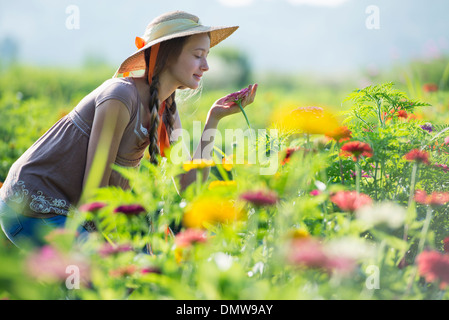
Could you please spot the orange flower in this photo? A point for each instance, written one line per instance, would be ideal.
(340, 134)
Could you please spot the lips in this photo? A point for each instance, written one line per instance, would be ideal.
(198, 77)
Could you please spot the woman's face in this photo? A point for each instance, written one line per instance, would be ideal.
(191, 64)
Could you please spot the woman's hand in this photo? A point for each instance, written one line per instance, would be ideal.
(225, 106)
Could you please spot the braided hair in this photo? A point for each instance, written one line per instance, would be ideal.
(168, 52)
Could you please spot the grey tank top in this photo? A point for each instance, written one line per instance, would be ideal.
(47, 179)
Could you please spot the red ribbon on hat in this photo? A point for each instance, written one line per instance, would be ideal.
(163, 140)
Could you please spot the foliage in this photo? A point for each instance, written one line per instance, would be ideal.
(300, 232)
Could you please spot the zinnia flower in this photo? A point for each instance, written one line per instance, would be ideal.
(357, 149)
(288, 154)
(260, 198)
(222, 184)
(418, 156)
(350, 200)
(190, 237)
(309, 120)
(430, 87)
(210, 210)
(50, 264)
(340, 134)
(427, 127)
(434, 199)
(310, 253)
(402, 114)
(108, 249)
(130, 209)
(237, 96)
(434, 267)
(92, 207)
(197, 164)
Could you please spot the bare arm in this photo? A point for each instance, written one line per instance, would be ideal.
(110, 120)
(219, 110)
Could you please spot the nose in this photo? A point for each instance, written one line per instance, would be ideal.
(204, 65)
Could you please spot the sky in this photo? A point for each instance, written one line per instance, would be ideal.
(278, 35)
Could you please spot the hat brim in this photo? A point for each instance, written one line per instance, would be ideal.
(136, 61)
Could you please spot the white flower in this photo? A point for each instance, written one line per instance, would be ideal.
(389, 213)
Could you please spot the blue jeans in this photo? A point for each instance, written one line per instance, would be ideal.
(26, 231)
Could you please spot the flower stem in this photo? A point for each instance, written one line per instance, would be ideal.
(357, 177)
(239, 103)
(425, 229)
(410, 199)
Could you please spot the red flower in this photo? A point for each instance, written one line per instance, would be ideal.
(189, 237)
(434, 199)
(288, 154)
(340, 134)
(434, 267)
(260, 198)
(402, 114)
(356, 149)
(418, 156)
(350, 200)
(130, 209)
(430, 87)
(446, 245)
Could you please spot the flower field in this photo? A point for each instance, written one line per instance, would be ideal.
(347, 199)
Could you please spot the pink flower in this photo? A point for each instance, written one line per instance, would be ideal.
(310, 253)
(260, 198)
(92, 207)
(50, 264)
(418, 156)
(108, 249)
(150, 269)
(315, 192)
(434, 199)
(190, 237)
(446, 140)
(237, 96)
(130, 209)
(434, 267)
(350, 200)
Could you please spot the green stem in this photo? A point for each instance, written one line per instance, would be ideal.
(425, 229)
(239, 103)
(412, 193)
(358, 175)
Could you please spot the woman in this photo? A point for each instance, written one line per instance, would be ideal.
(113, 125)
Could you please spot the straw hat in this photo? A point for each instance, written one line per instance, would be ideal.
(169, 26)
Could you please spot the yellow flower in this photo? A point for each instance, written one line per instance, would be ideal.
(219, 183)
(211, 210)
(311, 120)
(298, 234)
(197, 164)
(227, 164)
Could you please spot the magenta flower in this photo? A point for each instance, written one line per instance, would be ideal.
(434, 199)
(237, 96)
(260, 198)
(130, 209)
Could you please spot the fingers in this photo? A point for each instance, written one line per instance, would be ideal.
(250, 98)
